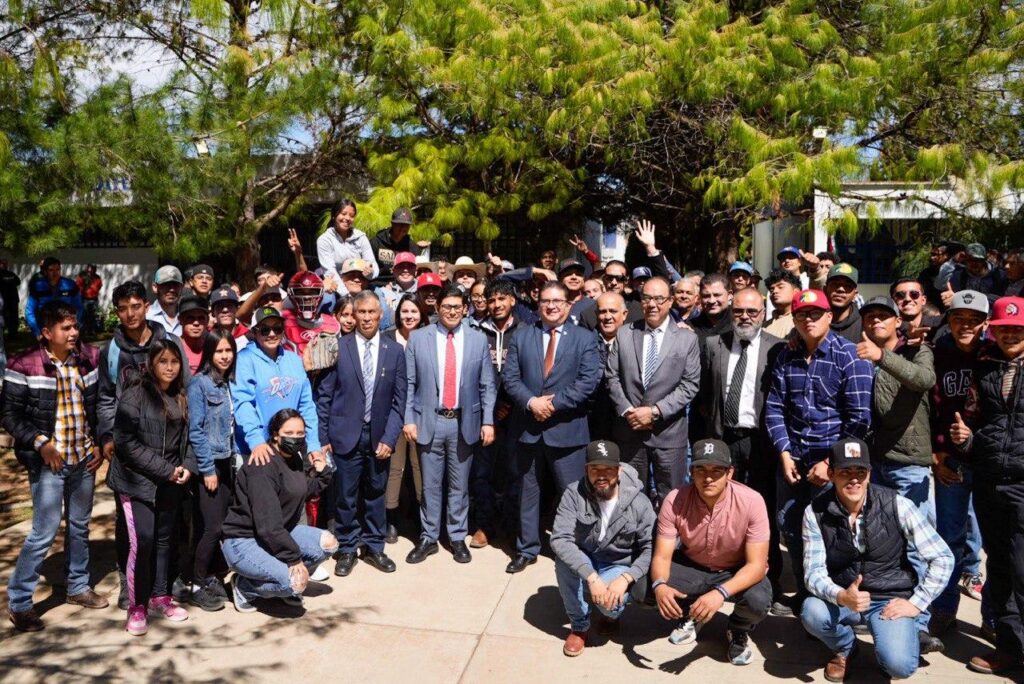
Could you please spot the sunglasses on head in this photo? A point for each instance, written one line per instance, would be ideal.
(268, 329)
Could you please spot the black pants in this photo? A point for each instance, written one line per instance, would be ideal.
(755, 467)
(147, 532)
(1000, 511)
(693, 580)
(213, 508)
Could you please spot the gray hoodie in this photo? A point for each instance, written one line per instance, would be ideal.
(628, 539)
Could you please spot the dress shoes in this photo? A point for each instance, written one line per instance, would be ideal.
(89, 599)
(479, 540)
(460, 553)
(379, 560)
(346, 561)
(26, 620)
(519, 564)
(420, 552)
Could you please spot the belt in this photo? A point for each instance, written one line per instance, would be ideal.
(449, 413)
(740, 430)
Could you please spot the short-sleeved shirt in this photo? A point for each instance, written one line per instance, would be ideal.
(715, 539)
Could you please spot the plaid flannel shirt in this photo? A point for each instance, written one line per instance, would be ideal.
(71, 434)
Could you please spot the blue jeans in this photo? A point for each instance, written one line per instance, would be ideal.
(896, 642)
(955, 522)
(571, 586)
(67, 493)
(791, 500)
(261, 574)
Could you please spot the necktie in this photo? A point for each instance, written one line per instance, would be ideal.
(549, 355)
(651, 358)
(732, 400)
(368, 373)
(448, 393)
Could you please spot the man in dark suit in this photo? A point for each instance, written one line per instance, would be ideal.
(652, 376)
(551, 371)
(736, 373)
(611, 315)
(361, 406)
(449, 409)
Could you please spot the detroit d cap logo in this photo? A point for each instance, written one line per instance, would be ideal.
(709, 449)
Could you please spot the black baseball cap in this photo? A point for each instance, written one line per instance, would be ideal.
(200, 268)
(849, 453)
(601, 452)
(711, 452)
(570, 265)
(192, 303)
(402, 215)
(265, 312)
(224, 293)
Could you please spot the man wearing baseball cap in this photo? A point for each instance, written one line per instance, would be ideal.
(164, 310)
(860, 541)
(403, 272)
(387, 244)
(224, 311)
(200, 281)
(428, 287)
(976, 273)
(740, 275)
(601, 538)
(841, 289)
(712, 547)
(820, 393)
(991, 432)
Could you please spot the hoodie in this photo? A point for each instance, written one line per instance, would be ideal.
(849, 328)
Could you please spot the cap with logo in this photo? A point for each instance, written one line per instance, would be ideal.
(976, 250)
(1008, 311)
(224, 293)
(843, 270)
(428, 280)
(200, 269)
(405, 258)
(354, 266)
(880, 302)
(568, 265)
(742, 266)
(601, 452)
(402, 215)
(849, 453)
(788, 251)
(167, 274)
(972, 300)
(265, 312)
(713, 452)
(810, 299)
(641, 272)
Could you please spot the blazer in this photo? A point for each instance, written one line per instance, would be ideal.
(478, 389)
(573, 378)
(715, 371)
(674, 384)
(341, 397)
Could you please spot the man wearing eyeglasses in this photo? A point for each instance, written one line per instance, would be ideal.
(908, 293)
(653, 373)
(615, 278)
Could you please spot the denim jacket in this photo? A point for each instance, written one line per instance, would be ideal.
(211, 420)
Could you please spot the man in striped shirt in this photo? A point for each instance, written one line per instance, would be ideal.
(820, 392)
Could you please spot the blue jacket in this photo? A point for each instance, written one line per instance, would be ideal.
(262, 387)
(574, 377)
(40, 292)
(341, 397)
(211, 421)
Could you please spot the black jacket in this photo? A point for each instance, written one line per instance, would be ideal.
(997, 445)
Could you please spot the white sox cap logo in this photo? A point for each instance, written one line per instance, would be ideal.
(602, 449)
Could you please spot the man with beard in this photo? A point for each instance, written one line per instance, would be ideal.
(841, 289)
(611, 315)
(715, 300)
(601, 539)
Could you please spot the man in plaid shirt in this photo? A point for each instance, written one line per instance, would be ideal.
(820, 392)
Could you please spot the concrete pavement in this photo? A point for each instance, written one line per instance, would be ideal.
(434, 622)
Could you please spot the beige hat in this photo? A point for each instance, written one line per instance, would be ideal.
(422, 264)
(465, 263)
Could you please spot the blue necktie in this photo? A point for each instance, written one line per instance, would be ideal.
(367, 381)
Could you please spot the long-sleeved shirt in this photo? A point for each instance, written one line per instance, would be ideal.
(332, 250)
(921, 538)
(812, 405)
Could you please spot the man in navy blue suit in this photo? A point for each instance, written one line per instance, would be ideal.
(449, 409)
(361, 403)
(552, 369)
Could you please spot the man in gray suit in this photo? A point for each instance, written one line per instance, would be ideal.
(449, 408)
(652, 375)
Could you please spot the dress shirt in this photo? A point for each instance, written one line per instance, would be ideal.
(659, 333)
(547, 336)
(747, 415)
(374, 343)
(441, 333)
(156, 313)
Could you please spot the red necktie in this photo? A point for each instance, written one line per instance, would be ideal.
(448, 393)
(549, 356)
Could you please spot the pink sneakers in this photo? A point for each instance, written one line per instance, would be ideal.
(136, 625)
(165, 607)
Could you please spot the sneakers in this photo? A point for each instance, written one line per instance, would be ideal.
(136, 624)
(685, 632)
(294, 601)
(182, 590)
(971, 585)
(242, 604)
(207, 595)
(165, 607)
(739, 651)
(320, 574)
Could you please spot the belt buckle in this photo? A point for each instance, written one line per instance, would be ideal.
(447, 413)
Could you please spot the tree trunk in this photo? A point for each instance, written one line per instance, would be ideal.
(248, 260)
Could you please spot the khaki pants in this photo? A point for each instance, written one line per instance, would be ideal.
(403, 452)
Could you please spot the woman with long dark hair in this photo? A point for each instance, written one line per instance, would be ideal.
(211, 432)
(342, 241)
(151, 466)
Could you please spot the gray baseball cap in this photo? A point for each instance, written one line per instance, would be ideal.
(972, 300)
(880, 303)
(167, 274)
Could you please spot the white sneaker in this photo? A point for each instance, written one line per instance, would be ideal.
(320, 574)
(685, 632)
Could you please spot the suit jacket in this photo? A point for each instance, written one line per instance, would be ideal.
(601, 409)
(341, 396)
(674, 384)
(573, 378)
(714, 374)
(478, 388)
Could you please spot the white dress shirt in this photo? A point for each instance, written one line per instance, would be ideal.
(747, 415)
(441, 334)
(659, 333)
(374, 344)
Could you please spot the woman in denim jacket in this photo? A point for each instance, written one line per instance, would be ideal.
(211, 431)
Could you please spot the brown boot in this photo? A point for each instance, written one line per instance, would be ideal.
(575, 643)
(994, 662)
(89, 599)
(26, 620)
(835, 670)
(479, 540)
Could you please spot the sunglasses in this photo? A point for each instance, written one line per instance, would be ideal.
(911, 294)
(266, 330)
(616, 278)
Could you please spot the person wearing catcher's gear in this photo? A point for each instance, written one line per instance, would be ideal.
(305, 322)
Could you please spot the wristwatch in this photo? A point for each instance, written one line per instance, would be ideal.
(657, 583)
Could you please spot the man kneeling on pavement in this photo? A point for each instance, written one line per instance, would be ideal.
(858, 544)
(721, 529)
(602, 538)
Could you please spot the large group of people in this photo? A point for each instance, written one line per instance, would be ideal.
(672, 429)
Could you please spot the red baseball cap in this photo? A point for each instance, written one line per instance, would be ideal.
(1008, 311)
(810, 299)
(428, 279)
(405, 258)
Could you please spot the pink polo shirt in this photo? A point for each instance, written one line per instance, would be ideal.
(715, 539)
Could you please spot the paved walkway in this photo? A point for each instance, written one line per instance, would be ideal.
(434, 622)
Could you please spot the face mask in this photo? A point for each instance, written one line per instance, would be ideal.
(293, 446)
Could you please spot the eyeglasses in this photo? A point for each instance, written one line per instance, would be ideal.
(267, 330)
(812, 315)
(616, 278)
(450, 308)
(552, 302)
(909, 294)
(749, 313)
(657, 299)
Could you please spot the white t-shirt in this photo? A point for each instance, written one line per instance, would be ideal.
(607, 508)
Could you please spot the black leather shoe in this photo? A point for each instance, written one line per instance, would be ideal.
(379, 560)
(519, 564)
(460, 552)
(929, 644)
(390, 534)
(346, 561)
(420, 552)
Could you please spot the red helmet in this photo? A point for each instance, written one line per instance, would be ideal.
(306, 290)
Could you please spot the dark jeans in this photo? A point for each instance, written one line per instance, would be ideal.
(490, 481)
(790, 504)
(213, 508)
(362, 475)
(147, 533)
(1000, 510)
(533, 463)
(693, 580)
